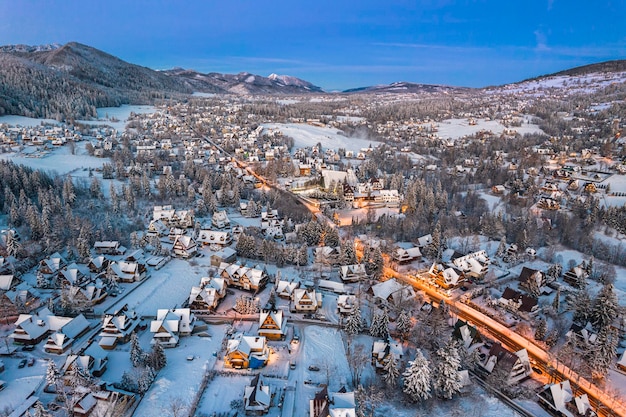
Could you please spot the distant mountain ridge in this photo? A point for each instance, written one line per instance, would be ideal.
(72, 80)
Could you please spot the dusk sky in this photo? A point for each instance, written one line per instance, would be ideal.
(335, 44)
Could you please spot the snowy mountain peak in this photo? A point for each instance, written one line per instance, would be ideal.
(29, 48)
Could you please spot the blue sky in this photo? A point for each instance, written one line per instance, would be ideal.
(333, 43)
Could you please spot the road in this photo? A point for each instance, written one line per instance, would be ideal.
(598, 397)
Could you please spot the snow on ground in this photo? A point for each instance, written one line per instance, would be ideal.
(305, 135)
(457, 128)
(166, 288)
(25, 121)
(59, 159)
(181, 379)
(220, 392)
(20, 383)
(494, 202)
(617, 184)
(120, 114)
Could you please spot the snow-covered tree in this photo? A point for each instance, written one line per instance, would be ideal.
(604, 309)
(136, 353)
(540, 332)
(446, 377)
(354, 323)
(556, 303)
(602, 355)
(145, 380)
(501, 247)
(52, 373)
(347, 255)
(403, 323)
(391, 371)
(157, 359)
(581, 304)
(417, 379)
(374, 262)
(380, 324)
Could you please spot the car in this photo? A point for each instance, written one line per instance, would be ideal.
(2, 384)
(28, 348)
(292, 365)
(537, 370)
(30, 361)
(464, 288)
(314, 368)
(22, 363)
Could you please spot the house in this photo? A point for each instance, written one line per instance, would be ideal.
(424, 241)
(93, 361)
(326, 255)
(272, 324)
(466, 333)
(576, 276)
(405, 255)
(173, 218)
(118, 327)
(219, 238)
(108, 247)
(50, 266)
(31, 329)
(246, 278)
(352, 273)
(445, 277)
(89, 295)
(346, 303)
(63, 338)
(284, 289)
(85, 405)
(7, 282)
(621, 363)
(586, 334)
(305, 300)
(208, 294)
(475, 264)
(220, 220)
(336, 404)
(98, 264)
(515, 365)
(71, 275)
(257, 397)
(531, 278)
(243, 352)
(185, 247)
(170, 325)
(559, 399)
(392, 291)
(123, 271)
(517, 302)
(383, 350)
(226, 255)
(21, 299)
(158, 228)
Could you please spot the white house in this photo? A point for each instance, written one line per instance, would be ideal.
(170, 325)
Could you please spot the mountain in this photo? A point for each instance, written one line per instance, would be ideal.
(244, 83)
(72, 80)
(600, 67)
(406, 87)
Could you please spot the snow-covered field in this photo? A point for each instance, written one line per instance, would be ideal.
(457, 128)
(119, 114)
(305, 135)
(20, 382)
(58, 160)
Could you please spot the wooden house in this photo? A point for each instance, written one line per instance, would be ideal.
(515, 365)
(257, 397)
(305, 300)
(246, 352)
(383, 350)
(118, 327)
(208, 294)
(185, 247)
(352, 273)
(170, 324)
(272, 324)
(243, 277)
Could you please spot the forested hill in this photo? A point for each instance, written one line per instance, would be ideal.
(74, 79)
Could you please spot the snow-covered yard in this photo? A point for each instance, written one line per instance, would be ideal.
(305, 135)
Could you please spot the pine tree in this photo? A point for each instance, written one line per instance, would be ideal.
(556, 304)
(52, 373)
(417, 378)
(501, 247)
(157, 359)
(604, 309)
(136, 353)
(540, 332)
(40, 411)
(380, 325)
(403, 323)
(446, 377)
(354, 322)
(348, 256)
(374, 263)
(582, 306)
(391, 371)
(602, 355)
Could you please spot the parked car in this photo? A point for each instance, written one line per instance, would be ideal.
(314, 368)
(22, 363)
(292, 365)
(28, 348)
(30, 361)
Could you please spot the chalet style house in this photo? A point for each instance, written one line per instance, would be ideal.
(336, 404)
(272, 324)
(515, 365)
(170, 325)
(257, 397)
(352, 273)
(118, 327)
(243, 277)
(383, 350)
(244, 352)
(305, 300)
(518, 302)
(208, 294)
(184, 246)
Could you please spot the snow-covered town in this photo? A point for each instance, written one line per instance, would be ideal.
(326, 256)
